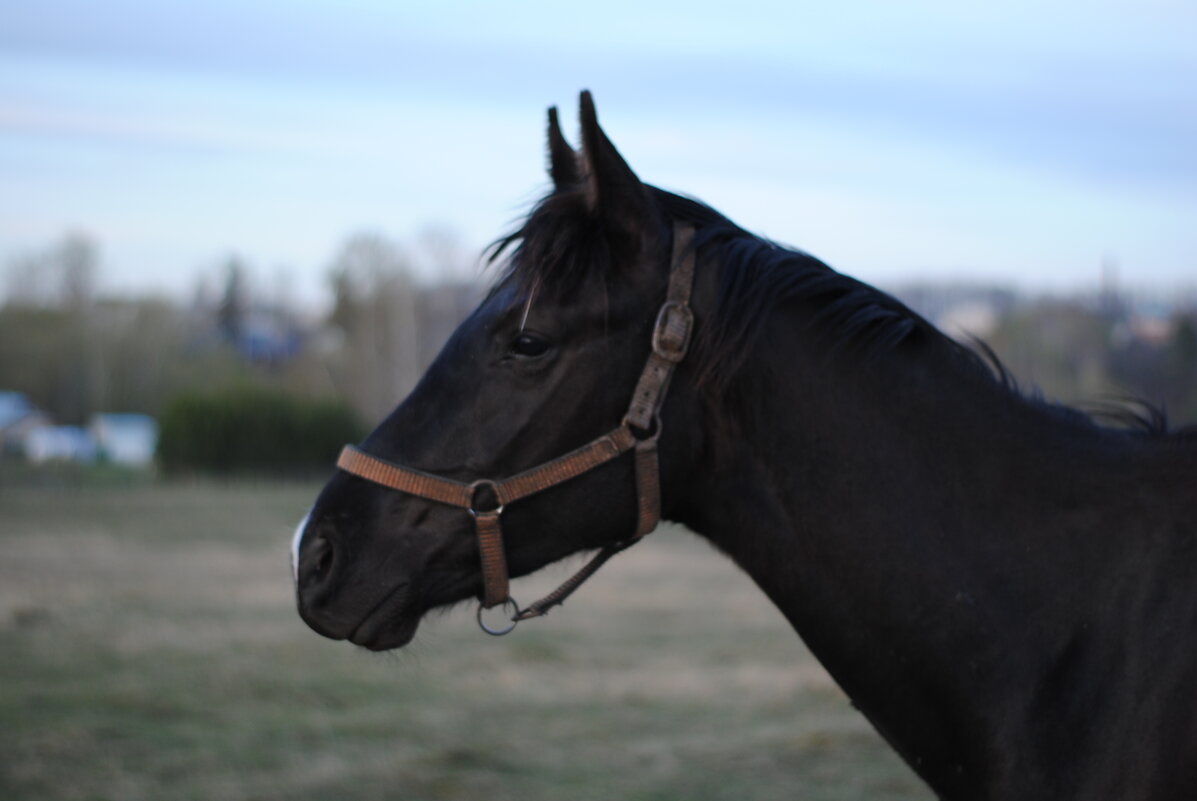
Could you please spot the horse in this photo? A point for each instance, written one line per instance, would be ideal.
(1005, 587)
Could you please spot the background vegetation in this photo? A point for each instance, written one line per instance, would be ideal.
(1089, 355)
(75, 353)
(239, 378)
(247, 428)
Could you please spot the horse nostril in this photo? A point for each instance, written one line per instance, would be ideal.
(324, 563)
(317, 561)
(317, 588)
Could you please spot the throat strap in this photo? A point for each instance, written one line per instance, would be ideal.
(639, 431)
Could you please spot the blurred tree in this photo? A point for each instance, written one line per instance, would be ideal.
(1060, 348)
(78, 259)
(75, 355)
(43, 353)
(375, 307)
(1078, 355)
(1181, 367)
(62, 275)
(230, 314)
(47, 343)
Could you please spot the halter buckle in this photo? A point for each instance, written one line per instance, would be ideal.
(671, 334)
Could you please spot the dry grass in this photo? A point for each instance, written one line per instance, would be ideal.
(149, 650)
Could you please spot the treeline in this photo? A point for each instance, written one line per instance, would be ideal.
(1106, 349)
(242, 381)
(1094, 355)
(236, 379)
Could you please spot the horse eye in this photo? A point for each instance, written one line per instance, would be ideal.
(529, 346)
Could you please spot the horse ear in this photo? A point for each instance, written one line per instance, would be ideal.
(563, 161)
(611, 186)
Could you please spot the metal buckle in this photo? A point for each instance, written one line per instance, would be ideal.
(671, 334)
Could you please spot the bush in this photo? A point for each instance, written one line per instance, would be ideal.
(247, 429)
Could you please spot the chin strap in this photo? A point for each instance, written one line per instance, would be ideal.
(638, 431)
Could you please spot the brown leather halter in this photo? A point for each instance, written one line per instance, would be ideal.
(638, 431)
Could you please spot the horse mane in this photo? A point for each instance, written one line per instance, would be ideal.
(758, 275)
(559, 244)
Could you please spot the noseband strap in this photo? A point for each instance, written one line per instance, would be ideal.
(486, 521)
(638, 431)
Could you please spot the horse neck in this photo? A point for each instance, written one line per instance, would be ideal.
(883, 505)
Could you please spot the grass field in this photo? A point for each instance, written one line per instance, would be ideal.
(149, 650)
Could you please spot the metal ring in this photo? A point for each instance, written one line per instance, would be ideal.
(477, 485)
(510, 602)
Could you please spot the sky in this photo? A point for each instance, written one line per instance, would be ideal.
(1022, 143)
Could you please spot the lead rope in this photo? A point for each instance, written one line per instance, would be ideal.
(639, 430)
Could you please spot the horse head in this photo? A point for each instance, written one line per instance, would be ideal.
(546, 366)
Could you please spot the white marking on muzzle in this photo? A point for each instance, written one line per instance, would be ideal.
(296, 539)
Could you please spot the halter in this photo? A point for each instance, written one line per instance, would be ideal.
(638, 431)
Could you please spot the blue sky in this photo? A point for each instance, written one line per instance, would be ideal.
(1019, 142)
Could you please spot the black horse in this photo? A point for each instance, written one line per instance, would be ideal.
(1004, 587)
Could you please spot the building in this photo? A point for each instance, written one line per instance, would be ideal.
(18, 417)
(50, 443)
(125, 439)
